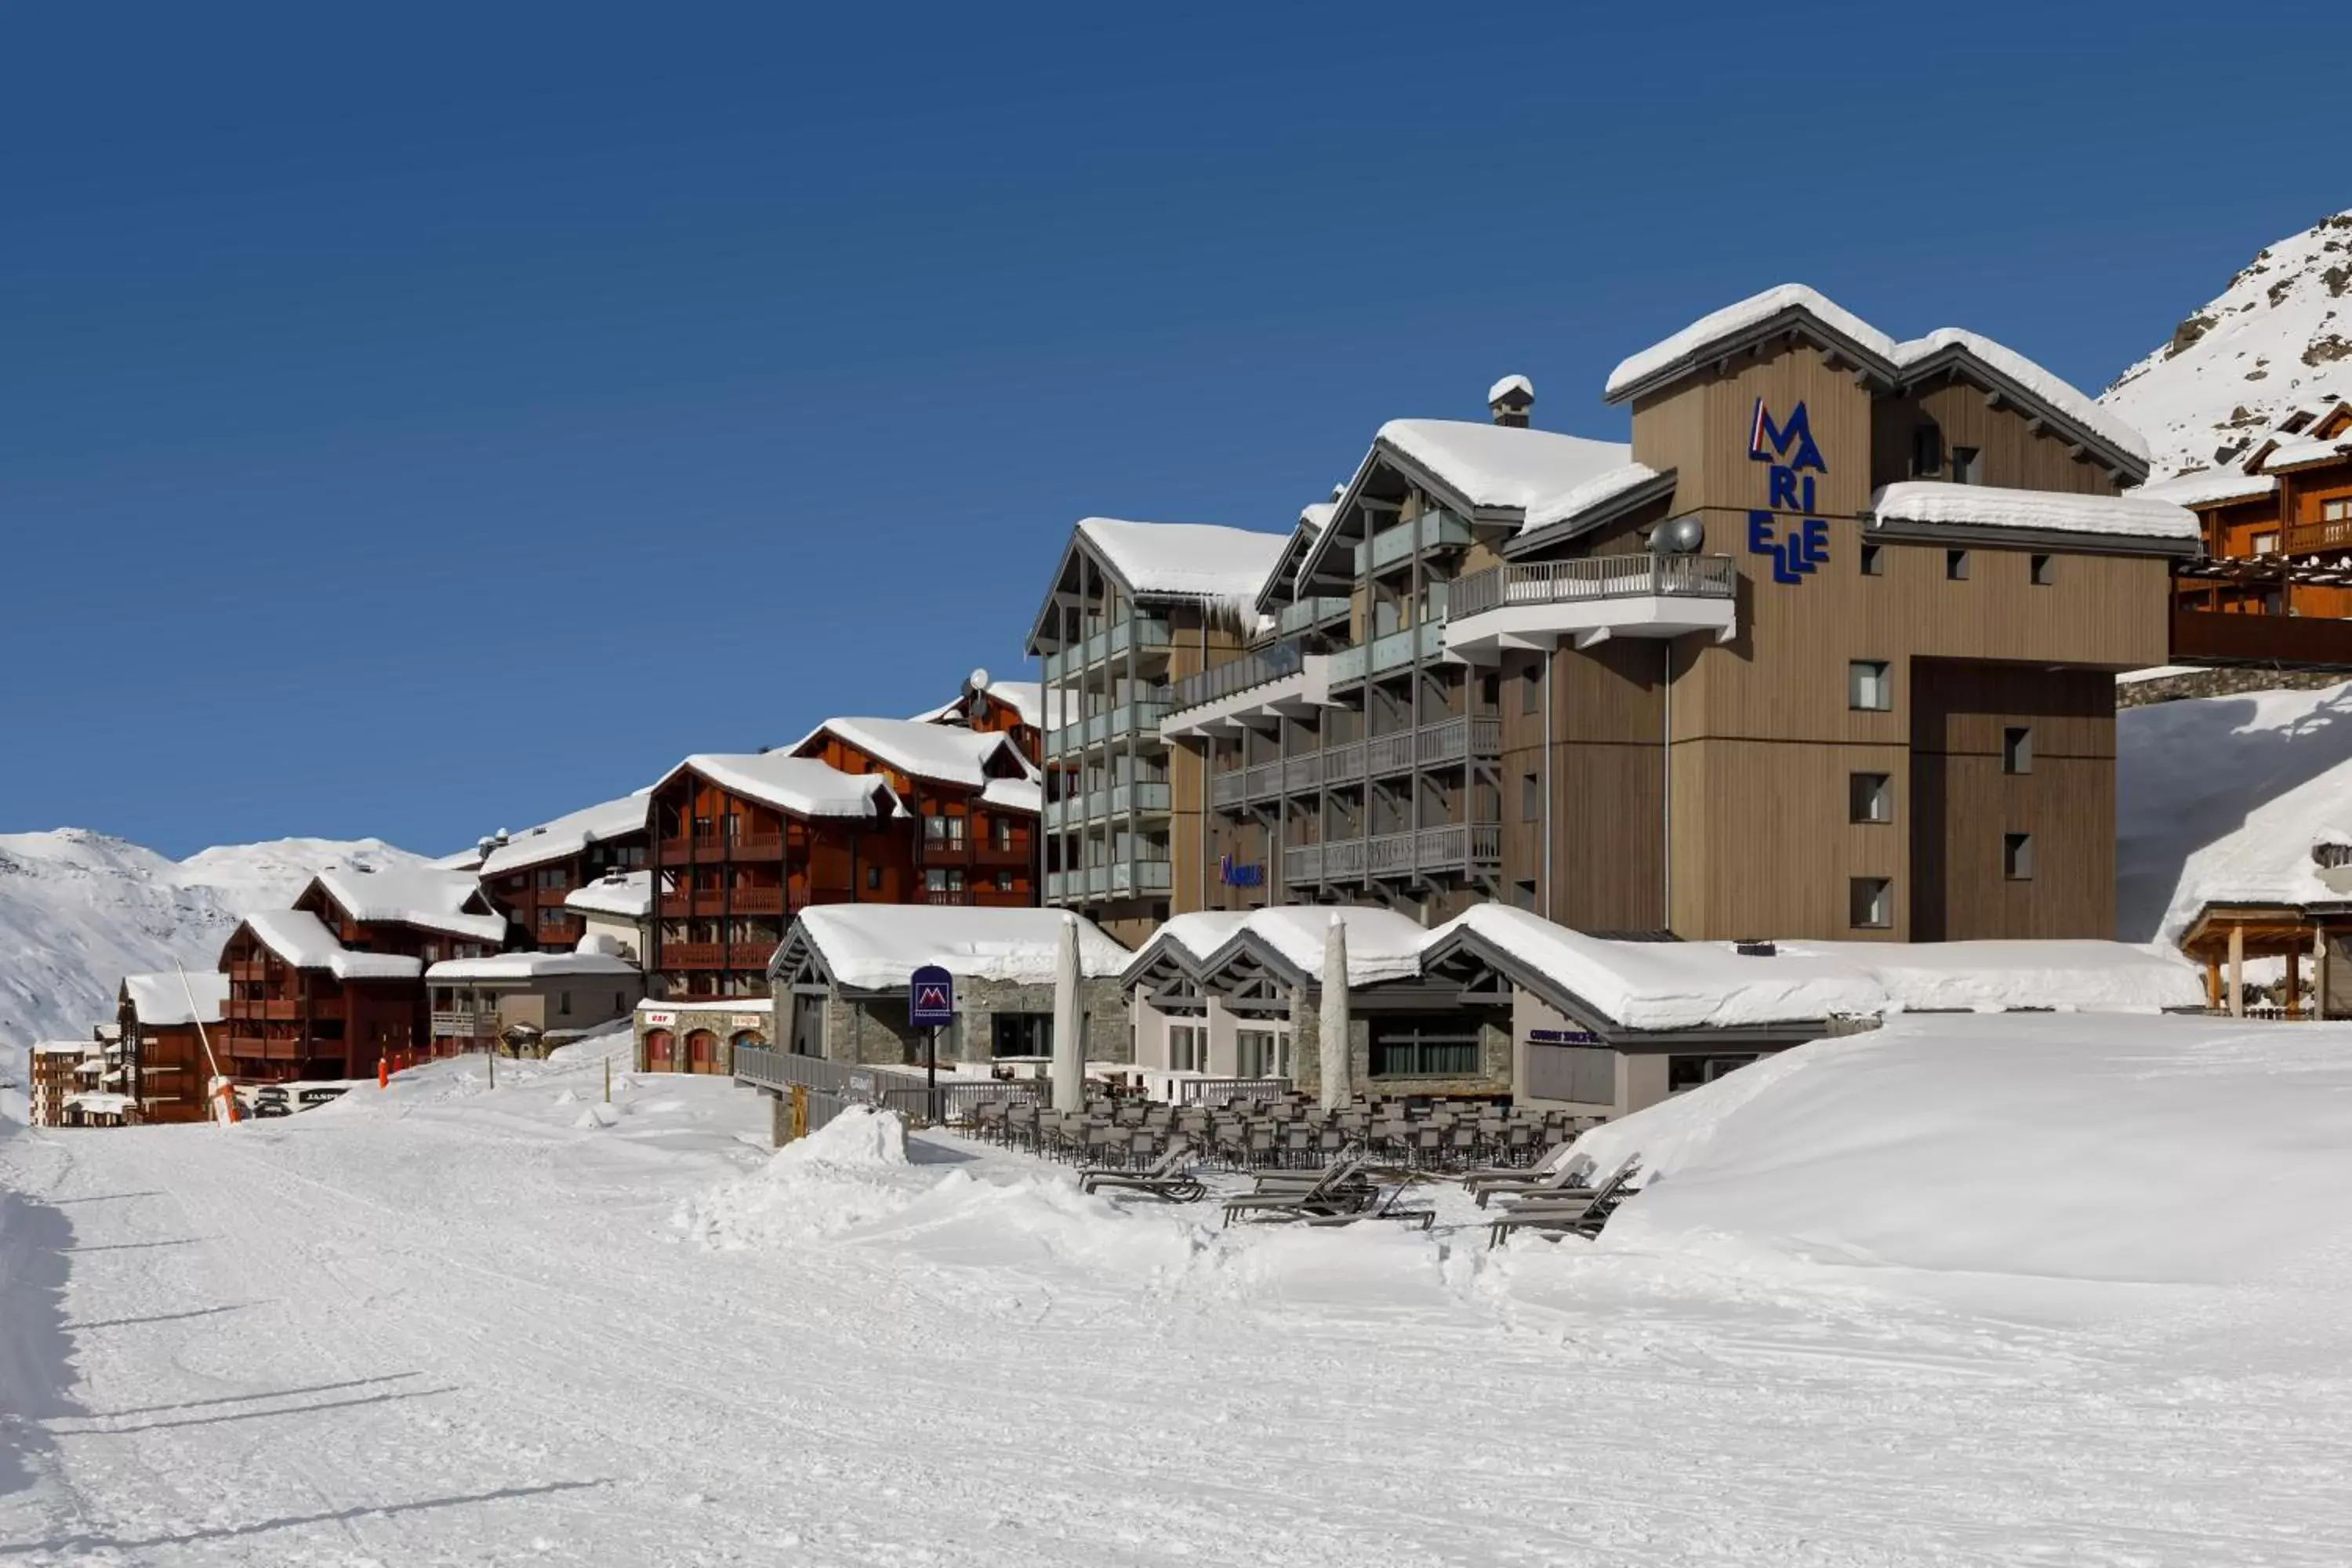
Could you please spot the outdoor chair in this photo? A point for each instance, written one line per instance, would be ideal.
(1387, 1208)
(1336, 1191)
(1169, 1178)
(1520, 1178)
(1562, 1216)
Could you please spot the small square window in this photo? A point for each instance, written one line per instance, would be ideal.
(2017, 856)
(2017, 749)
(1967, 465)
(2266, 544)
(1955, 565)
(1868, 687)
(1530, 798)
(1874, 561)
(1870, 797)
(2044, 570)
(1870, 903)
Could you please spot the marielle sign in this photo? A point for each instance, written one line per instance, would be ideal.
(1794, 460)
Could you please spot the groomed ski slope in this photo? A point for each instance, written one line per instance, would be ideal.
(1968, 1291)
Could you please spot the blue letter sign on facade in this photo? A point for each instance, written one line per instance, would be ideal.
(930, 998)
(1791, 451)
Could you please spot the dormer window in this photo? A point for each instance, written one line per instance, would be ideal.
(1927, 451)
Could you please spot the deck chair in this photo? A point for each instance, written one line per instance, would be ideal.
(1568, 1176)
(1387, 1208)
(1335, 1190)
(1580, 1216)
(1169, 1178)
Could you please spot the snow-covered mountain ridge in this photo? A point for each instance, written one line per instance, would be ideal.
(79, 910)
(2278, 337)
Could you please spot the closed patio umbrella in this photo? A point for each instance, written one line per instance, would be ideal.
(1069, 1037)
(1333, 1049)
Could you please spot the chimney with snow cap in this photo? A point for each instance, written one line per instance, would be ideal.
(1508, 400)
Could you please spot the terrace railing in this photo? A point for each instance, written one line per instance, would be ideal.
(1639, 575)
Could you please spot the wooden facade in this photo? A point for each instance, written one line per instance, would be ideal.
(1632, 777)
(529, 884)
(170, 1070)
(2280, 543)
(969, 844)
(734, 864)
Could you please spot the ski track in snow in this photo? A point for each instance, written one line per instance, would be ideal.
(444, 1326)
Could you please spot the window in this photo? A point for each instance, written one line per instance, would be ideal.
(1927, 451)
(943, 879)
(2337, 510)
(2266, 544)
(1188, 1048)
(547, 877)
(620, 1001)
(2017, 749)
(1955, 565)
(873, 878)
(1870, 903)
(999, 833)
(1531, 690)
(943, 831)
(2044, 570)
(1530, 798)
(1004, 881)
(1868, 687)
(563, 1003)
(1490, 692)
(1424, 1045)
(1870, 797)
(1689, 1072)
(2017, 856)
(1967, 465)
(1264, 1053)
(1873, 561)
(1021, 1035)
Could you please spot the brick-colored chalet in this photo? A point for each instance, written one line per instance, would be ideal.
(329, 987)
(1015, 709)
(972, 798)
(162, 1019)
(743, 841)
(530, 874)
(2277, 521)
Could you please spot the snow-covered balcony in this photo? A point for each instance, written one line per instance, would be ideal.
(1264, 683)
(1592, 600)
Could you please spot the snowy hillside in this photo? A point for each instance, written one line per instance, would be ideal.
(2222, 796)
(79, 910)
(2277, 338)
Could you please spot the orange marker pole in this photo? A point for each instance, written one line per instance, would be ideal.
(383, 1074)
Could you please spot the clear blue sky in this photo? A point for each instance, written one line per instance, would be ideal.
(428, 420)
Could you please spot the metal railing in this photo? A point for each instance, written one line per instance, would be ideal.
(1217, 1090)
(1402, 541)
(1306, 614)
(1454, 846)
(952, 1102)
(1261, 666)
(1112, 723)
(1137, 631)
(1431, 745)
(1639, 575)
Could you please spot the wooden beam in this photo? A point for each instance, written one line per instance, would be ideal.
(2237, 972)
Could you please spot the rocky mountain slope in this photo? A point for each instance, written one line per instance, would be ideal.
(2278, 337)
(79, 910)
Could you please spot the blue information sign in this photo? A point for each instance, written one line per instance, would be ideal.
(930, 998)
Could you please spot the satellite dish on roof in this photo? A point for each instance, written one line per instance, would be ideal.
(977, 680)
(1678, 536)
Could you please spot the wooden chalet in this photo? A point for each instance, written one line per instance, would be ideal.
(971, 801)
(162, 1019)
(741, 843)
(528, 875)
(331, 986)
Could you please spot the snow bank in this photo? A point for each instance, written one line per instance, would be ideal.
(1936, 504)
(869, 947)
(2079, 1149)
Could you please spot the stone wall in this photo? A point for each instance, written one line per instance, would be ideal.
(2219, 683)
(872, 1029)
(1494, 1051)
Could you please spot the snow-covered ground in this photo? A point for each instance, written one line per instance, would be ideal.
(1969, 1290)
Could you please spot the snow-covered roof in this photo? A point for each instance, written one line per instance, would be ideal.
(63, 1047)
(413, 895)
(941, 753)
(1668, 986)
(2052, 391)
(1937, 502)
(801, 785)
(710, 1005)
(1038, 709)
(1508, 384)
(2304, 454)
(626, 893)
(1760, 315)
(1598, 490)
(1503, 466)
(160, 1000)
(568, 834)
(874, 947)
(1315, 516)
(1721, 328)
(302, 939)
(1381, 943)
(2209, 489)
(1185, 560)
(100, 1102)
(520, 967)
(1014, 794)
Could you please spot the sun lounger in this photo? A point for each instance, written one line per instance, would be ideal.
(1168, 1178)
(1334, 1192)
(1583, 1216)
(1564, 1176)
(1388, 1208)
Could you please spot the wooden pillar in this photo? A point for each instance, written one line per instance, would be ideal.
(2294, 983)
(2319, 973)
(2213, 983)
(2237, 972)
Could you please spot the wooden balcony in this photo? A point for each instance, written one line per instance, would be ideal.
(750, 954)
(757, 901)
(693, 955)
(718, 849)
(256, 971)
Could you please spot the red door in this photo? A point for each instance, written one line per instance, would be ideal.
(702, 1051)
(661, 1051)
